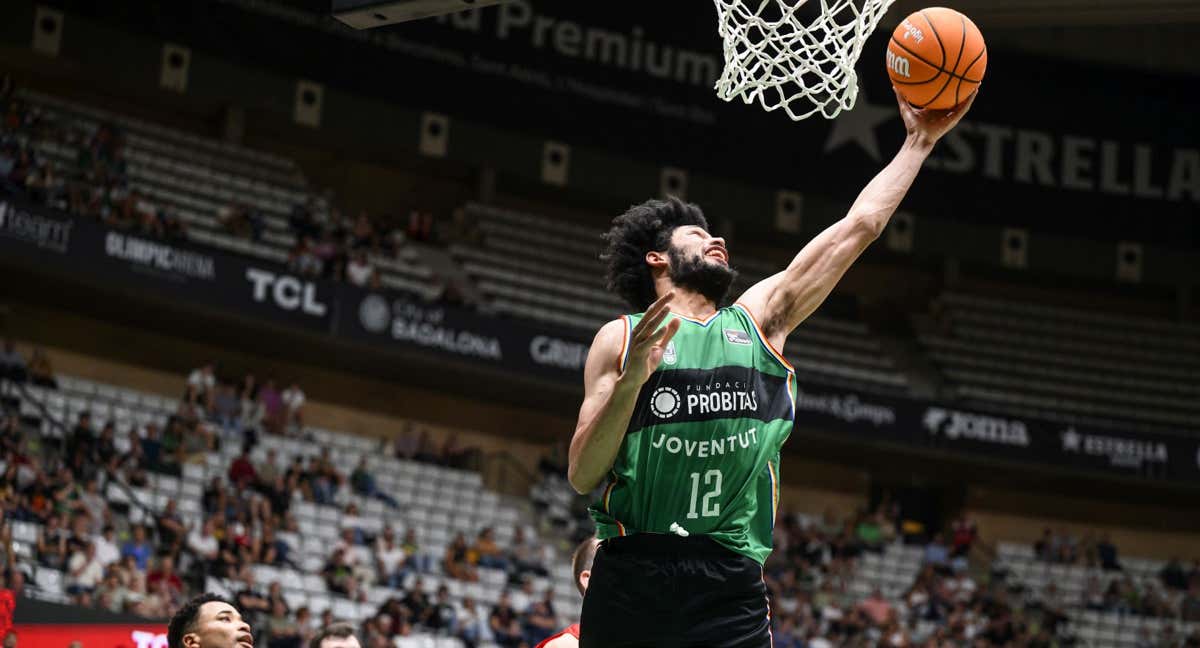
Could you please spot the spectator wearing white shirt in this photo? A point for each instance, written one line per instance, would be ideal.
(360, 271)
(202, 543)
(293, 401)
(107, 551)
(83, 574)
(201, 383)
(390, 558)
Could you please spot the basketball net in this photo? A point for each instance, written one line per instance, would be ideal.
(772, 57)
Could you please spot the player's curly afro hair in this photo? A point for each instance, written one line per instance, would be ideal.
(643, 228)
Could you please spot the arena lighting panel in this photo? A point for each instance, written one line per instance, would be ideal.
(365, 14)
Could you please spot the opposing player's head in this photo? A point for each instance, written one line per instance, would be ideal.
(581, 562)
(337, 635)
(664, 238)
(209, 621)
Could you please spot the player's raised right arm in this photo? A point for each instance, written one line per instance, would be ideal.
(610, 394)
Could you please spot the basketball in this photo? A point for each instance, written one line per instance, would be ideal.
(936, 58)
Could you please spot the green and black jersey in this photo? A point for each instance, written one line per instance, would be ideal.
(701, 454)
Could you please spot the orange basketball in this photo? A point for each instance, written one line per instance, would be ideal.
(936, 58)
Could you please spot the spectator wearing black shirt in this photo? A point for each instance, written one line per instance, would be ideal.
(12, 363)
(505, 623)
(171, 530)
(1107, 552)
(252, 601)
(440, 616)
(152, 447)
(1173, 576)
(417, 601)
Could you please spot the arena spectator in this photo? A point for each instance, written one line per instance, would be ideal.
(84, 573)
(456, 562)
(390, 559)
(1173, 576)
(405, 444)
(936, 552)
(505, 623)
(487, 552)
(1107, 553)
(360, 271)
(280, 629)
(165, 573)
(201, 383)
(305, 258)
(1189, 605)
(242, 474)
(363, 483)
(170, 527)
(339, 575)
(138, 547)
(876, 608)
(107, 551)
(440, 615)
(416, 558)
(226, 410)
(293, 402)
(12, 363)
(539, 620)
(41, 371)
(52, 544)
(523, 556)
(472, 623)
(203, 544)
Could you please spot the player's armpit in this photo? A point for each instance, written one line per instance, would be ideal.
(782, 301)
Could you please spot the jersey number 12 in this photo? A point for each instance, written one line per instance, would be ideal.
(708, 508)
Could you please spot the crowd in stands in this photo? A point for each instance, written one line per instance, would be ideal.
(94, 185)
(151, 566)
(329, 243)
(1175, 595)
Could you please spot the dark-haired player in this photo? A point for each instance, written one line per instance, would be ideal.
(686, 406)
(209, 621)
(581, 565)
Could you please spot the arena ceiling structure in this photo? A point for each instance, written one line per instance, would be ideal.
(1152, 35)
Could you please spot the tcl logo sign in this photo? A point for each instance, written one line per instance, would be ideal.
(286, 292)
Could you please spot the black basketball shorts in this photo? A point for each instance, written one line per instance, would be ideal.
(667, 591)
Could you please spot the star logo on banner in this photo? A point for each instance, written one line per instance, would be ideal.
(1071, 439)
(858, 126)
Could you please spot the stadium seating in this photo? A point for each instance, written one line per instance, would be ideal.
(197, 176)
(537, 268)
(435, 501)
(1069, 364)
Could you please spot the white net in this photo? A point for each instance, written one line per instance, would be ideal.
(798, 60)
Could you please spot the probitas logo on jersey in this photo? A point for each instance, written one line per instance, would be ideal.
(731, 392)
(721, 397)
(664, 402)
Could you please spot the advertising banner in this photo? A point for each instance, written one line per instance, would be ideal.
(167, 269)
(399, 321)
(988, 434)
(395, 321)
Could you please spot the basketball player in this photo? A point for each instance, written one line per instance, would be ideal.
(209, 621)
(686, 406)
(581, 564)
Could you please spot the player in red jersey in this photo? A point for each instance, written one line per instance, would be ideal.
(581, 564)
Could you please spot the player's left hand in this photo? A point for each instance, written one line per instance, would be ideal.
(931, 125)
